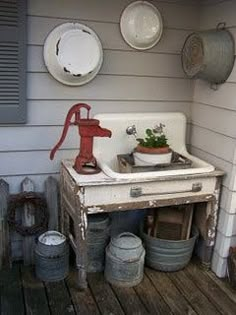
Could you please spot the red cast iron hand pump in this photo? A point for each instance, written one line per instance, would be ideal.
(88, 129)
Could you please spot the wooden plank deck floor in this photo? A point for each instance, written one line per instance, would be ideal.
(190, 291)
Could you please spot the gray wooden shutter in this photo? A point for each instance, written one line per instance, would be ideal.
(12, 61)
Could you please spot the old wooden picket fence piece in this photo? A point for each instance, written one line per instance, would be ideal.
(14, 246)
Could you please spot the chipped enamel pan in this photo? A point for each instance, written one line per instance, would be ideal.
(73, 54)
(141, 25)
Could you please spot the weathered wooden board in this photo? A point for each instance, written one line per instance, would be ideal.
(172, 295)
(223, 284)
(22, 247)
(104, 295)
(4, 230)
(51, 194)
(151, 298)
(83, 301)
(131, 305)
(12, 300)
(28, 219)
(35, 296)
(59, 299)
(195, 297)
(22, 293)
(211, 290)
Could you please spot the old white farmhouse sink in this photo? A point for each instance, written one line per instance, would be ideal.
(106, 149)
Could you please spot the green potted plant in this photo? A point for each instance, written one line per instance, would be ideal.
(153, 148)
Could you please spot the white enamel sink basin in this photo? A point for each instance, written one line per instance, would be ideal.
(106, 149)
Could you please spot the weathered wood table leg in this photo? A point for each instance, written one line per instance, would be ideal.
(207, 242)
(81, 244)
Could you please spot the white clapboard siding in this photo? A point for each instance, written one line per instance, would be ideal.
(171, 42)
(204, 94)
(129, 81)
(223, 122)
(43, 86)
(36, 138)
(122, 63)
(215, 143)
(231, 201)
(174, 15)
(214, 138)
(223, 243)
(222, 12)
(224, 165)
(32, 162)
(227, 223)
(211, 2)
(227, 200)
(53, 112)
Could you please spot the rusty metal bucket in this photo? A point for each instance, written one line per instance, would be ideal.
(209, 55)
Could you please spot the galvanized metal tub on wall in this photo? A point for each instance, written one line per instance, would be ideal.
(168, 255)
(209, 55)
(124, 260)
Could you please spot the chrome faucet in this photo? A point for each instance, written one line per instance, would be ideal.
(131, 130)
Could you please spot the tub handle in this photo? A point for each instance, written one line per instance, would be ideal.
(128, 234)
(221, 26)
(136, 192)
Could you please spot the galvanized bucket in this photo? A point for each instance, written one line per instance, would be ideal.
(124, 260)
(168, 255)
(51, 243)
(209, 55)
(98, 235)
(52, 268)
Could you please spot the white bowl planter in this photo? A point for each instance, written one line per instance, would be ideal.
(144, 159)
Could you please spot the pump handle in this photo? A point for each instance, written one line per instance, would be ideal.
(75, 109)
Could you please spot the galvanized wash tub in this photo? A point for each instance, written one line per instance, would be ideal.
(209, 55)
(168, 255)
(124, 260)
(98, 235)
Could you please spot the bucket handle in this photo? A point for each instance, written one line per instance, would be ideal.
(128, 234)
(221, 26)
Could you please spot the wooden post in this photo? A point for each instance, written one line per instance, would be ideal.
(51, 194)
(81, 244)
(4, 229)
(28, 219)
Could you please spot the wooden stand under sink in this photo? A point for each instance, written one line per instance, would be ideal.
(88, 194)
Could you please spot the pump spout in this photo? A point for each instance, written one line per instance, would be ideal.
(103, 132)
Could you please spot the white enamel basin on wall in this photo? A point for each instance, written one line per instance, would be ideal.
(106, 149)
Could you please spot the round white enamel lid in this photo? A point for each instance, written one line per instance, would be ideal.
(141, 25)
(73, 54)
